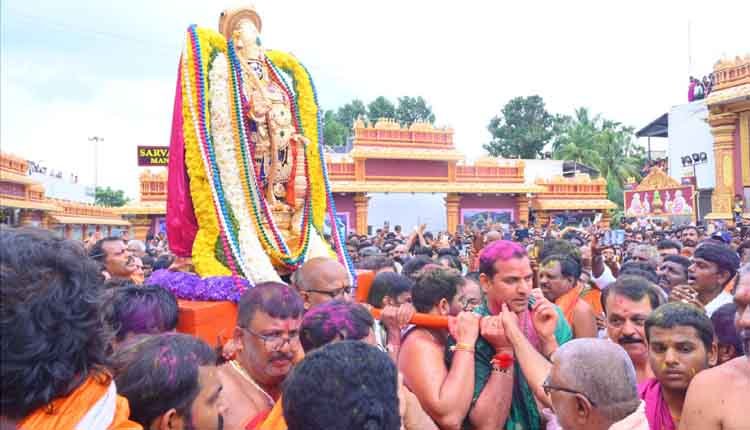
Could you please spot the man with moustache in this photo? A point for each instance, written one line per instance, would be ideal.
(627, 304)
(534, 327)
(558, 280)
(672, 272)
(690, 237)
(113, 256)
(680, 344)
(728, 382)
(267, 341)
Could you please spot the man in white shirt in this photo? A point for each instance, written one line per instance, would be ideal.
(714, 266)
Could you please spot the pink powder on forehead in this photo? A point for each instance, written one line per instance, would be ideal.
(502, 250)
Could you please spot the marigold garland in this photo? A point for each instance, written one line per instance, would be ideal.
(203, 256)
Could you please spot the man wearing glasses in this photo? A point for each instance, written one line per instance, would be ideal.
(321, 280)
(267, 340)
(592, 386)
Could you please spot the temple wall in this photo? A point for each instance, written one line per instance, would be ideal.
(406, 168)
(345, 204)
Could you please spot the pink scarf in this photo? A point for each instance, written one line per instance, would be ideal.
(657, 410)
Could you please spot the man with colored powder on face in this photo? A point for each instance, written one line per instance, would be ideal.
(558, 280)
(171, 382)
(627, 304)
(320, 280)
(267, 341)
(728, 382)
(680, 344)
(534, 328)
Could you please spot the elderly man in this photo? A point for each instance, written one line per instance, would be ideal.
(114, 257)
(727, 382)
(137, 248)
(267, 336)
(320, 280)
(627, 304)
(680, 344)
(534, 327)
(171, 382)
(558, 280)
(592, 386)
(645, 254)
(54, 346)
(713, 268)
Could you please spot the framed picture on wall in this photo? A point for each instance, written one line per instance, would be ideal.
(484, 218)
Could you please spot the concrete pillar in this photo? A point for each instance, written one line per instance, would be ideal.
(522, 203)
(361, 201)
(452, 209)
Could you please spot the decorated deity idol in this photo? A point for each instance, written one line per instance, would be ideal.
(247, 189)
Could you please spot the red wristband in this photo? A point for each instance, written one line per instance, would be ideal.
(503, 360)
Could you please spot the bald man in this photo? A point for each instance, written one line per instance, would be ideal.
(321, 280)
(592, 386)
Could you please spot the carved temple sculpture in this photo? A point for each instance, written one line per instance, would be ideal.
(729, 117)
(247, 191)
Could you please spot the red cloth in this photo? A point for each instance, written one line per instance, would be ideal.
(181, 223)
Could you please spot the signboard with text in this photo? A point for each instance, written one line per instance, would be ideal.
(149, 156)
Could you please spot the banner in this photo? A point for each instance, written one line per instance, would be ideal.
(153, 156)
(663, 202)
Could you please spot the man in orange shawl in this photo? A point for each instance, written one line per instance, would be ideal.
(559, 281)
(53, 342)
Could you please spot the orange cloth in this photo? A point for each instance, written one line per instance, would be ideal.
(66, 412)
(593, 296)
(275, 419)
(567, 303)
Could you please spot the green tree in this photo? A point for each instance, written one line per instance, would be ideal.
(381, 107)
(605, 145)
(413, 109)
(523, 129)
(349, 113)
(109, 197)
(334, 132)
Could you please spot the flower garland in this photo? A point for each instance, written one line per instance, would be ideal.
(308, 112)
(203, 256)
(222, 127)
(189, 286)
(252, 183)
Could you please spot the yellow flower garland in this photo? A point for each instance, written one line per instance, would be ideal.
(204, 258)
(308, 112)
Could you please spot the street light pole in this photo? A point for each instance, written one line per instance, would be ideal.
(95, 140)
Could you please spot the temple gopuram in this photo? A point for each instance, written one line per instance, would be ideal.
(389, 158)
(147, 215)
(23, 203)
(729, 117)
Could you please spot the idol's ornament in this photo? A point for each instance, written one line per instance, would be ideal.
(248, 191)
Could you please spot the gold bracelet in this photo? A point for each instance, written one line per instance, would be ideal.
(463, 347)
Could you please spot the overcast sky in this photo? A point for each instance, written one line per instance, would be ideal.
(74, 69)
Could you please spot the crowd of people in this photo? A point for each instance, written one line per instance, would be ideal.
(514, 327)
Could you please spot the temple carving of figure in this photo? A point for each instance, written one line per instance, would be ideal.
(247, 189)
